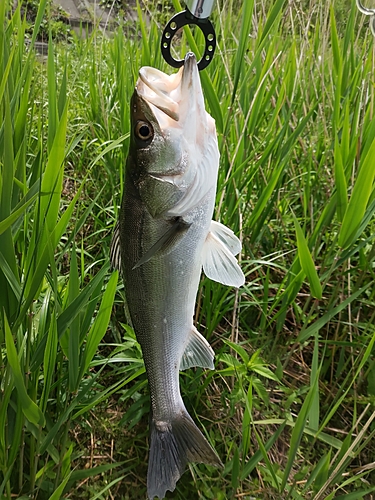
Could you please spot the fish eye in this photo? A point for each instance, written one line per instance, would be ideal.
(144, 131)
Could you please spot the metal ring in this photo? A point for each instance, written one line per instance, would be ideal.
(372, 24)
(178, 21)
(367, 12)
(364, 10)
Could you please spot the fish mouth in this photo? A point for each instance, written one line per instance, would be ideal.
(172, 97)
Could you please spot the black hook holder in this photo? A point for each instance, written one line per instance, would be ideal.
(178, 21)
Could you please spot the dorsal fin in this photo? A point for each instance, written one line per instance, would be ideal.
(115, 249)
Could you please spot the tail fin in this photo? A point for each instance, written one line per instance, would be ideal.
(173, 445)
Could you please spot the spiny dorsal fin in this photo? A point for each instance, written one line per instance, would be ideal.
(115, 250)
(218, 259)
(198, 352)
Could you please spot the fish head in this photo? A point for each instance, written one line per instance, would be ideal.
(173, 151)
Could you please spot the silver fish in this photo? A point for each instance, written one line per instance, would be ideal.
(162, 240)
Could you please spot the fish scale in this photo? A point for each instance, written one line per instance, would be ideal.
(165, 283)
(164, 237)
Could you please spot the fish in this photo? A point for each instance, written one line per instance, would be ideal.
(164, 237)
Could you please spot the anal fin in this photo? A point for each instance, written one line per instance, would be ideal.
(198, 352)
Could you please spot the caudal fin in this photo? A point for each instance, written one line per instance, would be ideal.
(173, 445)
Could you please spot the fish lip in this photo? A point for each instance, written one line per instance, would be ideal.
(165, 93)
(190, 62)
(145, 84)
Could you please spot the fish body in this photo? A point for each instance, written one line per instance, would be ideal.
(164, 236)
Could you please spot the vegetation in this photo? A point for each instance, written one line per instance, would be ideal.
(290, 406)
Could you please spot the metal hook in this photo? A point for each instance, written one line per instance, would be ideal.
(372, 24)
(178, 21)
(367, 12)
(364, 10)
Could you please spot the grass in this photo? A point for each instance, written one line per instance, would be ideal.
(290, 406)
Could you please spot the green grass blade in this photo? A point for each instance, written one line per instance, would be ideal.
(4, 79)
(275, 12)
(258, 455)
(31, 411)
(318, 324)
(307, 262)
(362, 191)
(337, 57)
(6, 223)
(49, 363)
(68, 315)
(297, 432)
(340, 181)
(38, 21)
(12, 280)
(107, 487)
(52, 95)
(53, 175)
(100, 325)
(213, 101)
(320, 473)
(74, 330)
(356, 495)
(38, 275)
(146, 55)
(314, 413)
(79, 475)
(56, 495)
(247, 13)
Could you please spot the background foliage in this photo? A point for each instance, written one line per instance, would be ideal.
(290, 406)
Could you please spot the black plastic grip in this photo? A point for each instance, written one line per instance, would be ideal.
(178, 21)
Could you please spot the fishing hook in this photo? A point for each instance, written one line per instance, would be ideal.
(196, 13)
(367, 12)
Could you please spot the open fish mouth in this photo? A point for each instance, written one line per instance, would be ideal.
(172, 97)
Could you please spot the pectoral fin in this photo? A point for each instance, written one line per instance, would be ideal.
(219, 263)
(115, 250)
(167, 242)
(198, 352)
(226, 236)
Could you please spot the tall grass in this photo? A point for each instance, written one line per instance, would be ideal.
(54, 313)
(290, 405)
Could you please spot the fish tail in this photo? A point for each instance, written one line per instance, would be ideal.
(173, 445)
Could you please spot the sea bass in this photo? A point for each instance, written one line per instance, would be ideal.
(162, 240)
